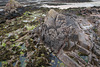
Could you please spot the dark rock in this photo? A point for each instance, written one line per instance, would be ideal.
(96, 50)
(14, 14)
(2, 17)
(2, 20)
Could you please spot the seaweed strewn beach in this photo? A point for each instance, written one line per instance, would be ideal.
(41, 33)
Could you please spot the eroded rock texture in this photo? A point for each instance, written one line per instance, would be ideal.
(12, 10)
(12, 5)
(71, 38)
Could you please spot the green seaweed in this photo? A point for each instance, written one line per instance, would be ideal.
(21, 53)
(15, 31)
(30, 27)
(3, 44)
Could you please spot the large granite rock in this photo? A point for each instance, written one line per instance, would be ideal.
(71, 38)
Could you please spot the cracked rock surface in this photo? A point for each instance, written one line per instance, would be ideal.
(71, 38)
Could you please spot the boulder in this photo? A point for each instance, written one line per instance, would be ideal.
(13, 9)
(11, 6)
(71, 39)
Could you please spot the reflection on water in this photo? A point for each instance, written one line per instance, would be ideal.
(0, 64)
(56, 62)
(22, 60)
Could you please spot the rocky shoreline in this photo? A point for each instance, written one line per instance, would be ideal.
(74, 37)
(31, 35)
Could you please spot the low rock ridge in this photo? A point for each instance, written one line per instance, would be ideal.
(52, 0)
(73, 0)
(71, 38)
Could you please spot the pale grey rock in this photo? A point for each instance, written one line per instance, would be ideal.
(70, 38)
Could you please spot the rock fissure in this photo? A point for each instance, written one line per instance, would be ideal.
(70, 39)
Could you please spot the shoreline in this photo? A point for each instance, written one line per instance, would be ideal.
(60, 5)
(73, 5)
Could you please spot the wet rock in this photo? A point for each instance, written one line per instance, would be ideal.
(96, 50)
(2, 17)
(18, 12)
(73, 35)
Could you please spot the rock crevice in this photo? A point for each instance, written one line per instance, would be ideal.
(71, 39)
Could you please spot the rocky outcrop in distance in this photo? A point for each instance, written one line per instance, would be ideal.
(71, 38)
(12, 9)
(11, 6)
(73, 0)
(51, 0)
